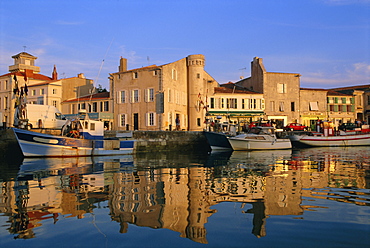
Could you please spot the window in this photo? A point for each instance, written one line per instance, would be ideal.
(54, 91)
(169, 95)
(232, 102)
(368, 100)
(314, 106)
(281, 106)
(292, 106)
(344, 100)
(106, 106)
(83, 106)
(6, 102)
(150, 95)
(331, 108)
(272, 106)
(135, 75)
(262, 103)
(198, 122)
(281, 88)
(135, 96)
(55, 103)
(95, 107)
(150, 119)
(33, 92)
(222, 103)
(92, 126)
(198, 75)
(174, 74)
(122, 98)
(122, 119)
(212, 103)
(42, 91)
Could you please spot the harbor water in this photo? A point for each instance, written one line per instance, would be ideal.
(316, 197)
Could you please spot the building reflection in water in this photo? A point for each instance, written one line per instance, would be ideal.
(177, 192)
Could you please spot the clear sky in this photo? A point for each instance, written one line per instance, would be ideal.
(326, 41)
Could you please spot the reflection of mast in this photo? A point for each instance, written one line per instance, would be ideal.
(259, 217)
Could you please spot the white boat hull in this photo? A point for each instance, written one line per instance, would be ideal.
(35, 144)
(239, 144)
(343, 140)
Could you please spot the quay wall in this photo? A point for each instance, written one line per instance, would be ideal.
(9, 148)
(153, 141)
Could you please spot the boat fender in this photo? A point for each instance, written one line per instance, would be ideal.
(75, 134)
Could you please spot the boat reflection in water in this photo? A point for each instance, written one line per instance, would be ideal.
(181, 192)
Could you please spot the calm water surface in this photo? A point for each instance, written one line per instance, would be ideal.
(301, 198)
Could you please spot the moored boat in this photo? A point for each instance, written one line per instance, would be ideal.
(80, 138)
(217, 141)
(259, 138)
(328, 137)
(354, 139)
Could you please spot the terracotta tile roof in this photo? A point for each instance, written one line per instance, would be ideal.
(97, 96)
(29, 75)
(313, 89)
(357, 87)
(336, 93)
(233, 88)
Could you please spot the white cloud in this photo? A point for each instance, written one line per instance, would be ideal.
(356, 74)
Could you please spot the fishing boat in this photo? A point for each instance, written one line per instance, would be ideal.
(79, 138)
(351, 139)
(259, 138)
(217, 141)
(329, 137)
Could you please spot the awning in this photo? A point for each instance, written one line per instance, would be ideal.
(314, 106)
(235, 113)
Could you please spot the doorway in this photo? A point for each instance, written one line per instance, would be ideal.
(136, 121)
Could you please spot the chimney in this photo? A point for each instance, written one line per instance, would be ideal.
(54, 75)
(122, 65)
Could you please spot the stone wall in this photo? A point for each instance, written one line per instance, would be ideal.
(153, 141)
(181, 141)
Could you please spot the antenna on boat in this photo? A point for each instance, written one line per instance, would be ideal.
(101, 66)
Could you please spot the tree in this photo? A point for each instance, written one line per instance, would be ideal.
(100, 89)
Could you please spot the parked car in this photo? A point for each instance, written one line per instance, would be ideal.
(295, 127)
(347, 126)
(262, 123)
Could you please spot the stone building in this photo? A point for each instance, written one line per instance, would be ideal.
(312, 107)
(166, 97)
(25, 77)
(231, 103)
(361, 98)
(280, 91)
(341, 107)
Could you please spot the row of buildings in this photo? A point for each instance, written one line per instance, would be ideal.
(182, 96)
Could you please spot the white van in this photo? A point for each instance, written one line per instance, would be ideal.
(44, 116)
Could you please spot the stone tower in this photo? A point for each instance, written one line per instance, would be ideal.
(24, 61)
(197, 94)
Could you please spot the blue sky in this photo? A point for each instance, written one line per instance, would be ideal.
(326, 41)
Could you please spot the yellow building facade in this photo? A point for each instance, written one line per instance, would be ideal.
(166, 97)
